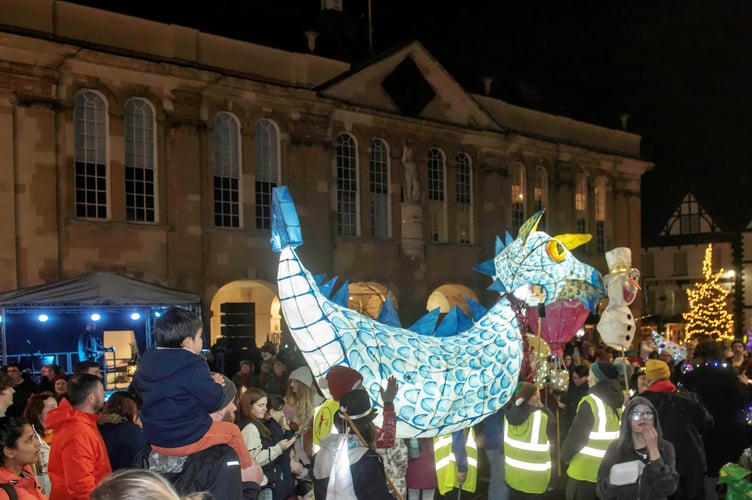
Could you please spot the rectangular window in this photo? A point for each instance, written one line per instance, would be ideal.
(267, 165)
(140, 195)
(680, 263)
(90, 171)
(226, 170)
(436, 195)
(648, 264)
(347, 186)
(600, 236)
(379, 189)
(464, 200)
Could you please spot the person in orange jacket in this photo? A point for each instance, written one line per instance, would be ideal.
(20, 445)
(78, 456)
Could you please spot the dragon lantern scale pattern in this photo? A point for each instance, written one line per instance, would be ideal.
(445, 383)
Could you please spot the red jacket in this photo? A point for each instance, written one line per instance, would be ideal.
(27, 488)
(78, 456)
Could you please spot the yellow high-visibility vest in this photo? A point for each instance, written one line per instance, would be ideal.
(527, 454)
(584, 465)
(446, 464)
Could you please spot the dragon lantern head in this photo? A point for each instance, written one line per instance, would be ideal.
(539, 268)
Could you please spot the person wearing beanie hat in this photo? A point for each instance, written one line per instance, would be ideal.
(524, 392)
(302, 399)
(529, 444)
(367, 477)
(684, 419)
(603, 370)
(655, 369)
(179, 392)
(595, 426)
(341, 379)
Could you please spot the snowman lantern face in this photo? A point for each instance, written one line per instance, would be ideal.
(622, 286)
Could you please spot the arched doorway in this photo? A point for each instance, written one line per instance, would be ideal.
(367, 297)
(266, 304)
(449, 295)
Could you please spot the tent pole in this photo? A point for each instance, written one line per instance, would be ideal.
(5, 347)
(148, 328)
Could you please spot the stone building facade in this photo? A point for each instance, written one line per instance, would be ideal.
(149, 150)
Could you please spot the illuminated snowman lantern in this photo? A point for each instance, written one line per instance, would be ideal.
(617, 326)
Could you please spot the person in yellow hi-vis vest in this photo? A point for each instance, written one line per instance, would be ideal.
(595, 426)
(529, 444)
(456, 457)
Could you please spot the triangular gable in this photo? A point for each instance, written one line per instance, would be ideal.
(369, 87)
(690, 218)
(98, 289)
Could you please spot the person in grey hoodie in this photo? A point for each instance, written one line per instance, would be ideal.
(641, 442)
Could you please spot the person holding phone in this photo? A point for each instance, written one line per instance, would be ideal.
(258, 439)
(640, 464)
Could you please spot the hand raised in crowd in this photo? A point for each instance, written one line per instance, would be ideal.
(388, 394)
(218, 378)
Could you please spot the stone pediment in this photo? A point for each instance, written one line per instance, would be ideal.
(408, 81)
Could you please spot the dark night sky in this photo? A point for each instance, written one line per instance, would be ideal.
(682, 70)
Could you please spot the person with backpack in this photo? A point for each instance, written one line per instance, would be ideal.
(20, 445)
(684, 419)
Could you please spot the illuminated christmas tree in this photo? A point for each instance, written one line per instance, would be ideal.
(708, 317)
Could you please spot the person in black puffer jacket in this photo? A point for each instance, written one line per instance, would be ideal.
(684, 419)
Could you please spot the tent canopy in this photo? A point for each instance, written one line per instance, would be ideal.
(99, 289)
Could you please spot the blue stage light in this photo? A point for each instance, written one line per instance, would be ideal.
(43, 318)
(135, 316)
(96, 317)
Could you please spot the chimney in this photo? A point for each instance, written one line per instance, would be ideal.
(487, 82)
(311, 36)
(624, 119)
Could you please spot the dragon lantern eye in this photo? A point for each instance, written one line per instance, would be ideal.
(555, 250)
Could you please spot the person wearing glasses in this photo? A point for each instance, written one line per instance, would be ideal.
(640, 464)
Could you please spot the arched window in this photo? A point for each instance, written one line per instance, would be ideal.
(518, 197)
(540, 192)
(437, 194)
(347, 185)
(378, 165)
(580, 202)
(601, 184)
(140, 159)
(226, 167)
(464, 199)
(267, 170)
(91, 172)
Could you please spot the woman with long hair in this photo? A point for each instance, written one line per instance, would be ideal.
(258, 438)
(302, 400)
(20, 445)
(36, 411)
(120, 427)
(640, 464)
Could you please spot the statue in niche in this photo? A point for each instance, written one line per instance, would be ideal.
(411, 188)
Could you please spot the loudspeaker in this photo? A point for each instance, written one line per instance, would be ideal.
(238, 319)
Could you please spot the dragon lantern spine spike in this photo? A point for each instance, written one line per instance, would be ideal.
(445, 384)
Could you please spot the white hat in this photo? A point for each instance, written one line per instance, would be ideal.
(302, 375)
(619, 260)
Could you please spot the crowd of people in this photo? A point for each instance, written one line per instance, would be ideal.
(648, 427)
